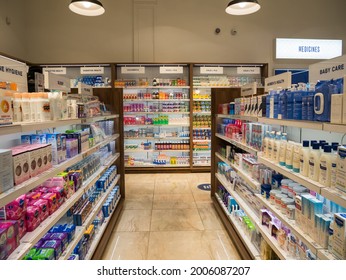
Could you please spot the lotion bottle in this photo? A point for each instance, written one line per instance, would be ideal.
(314, 162)
(325, 166)
(283, 144)
(276, 150)
(296, 157)
(333, 170)
(304, 159)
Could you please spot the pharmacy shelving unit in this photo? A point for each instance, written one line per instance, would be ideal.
(31, 238)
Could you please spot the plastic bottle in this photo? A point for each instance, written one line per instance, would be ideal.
(38, 105)
(333, 170)
(314, 162)
(289, 155)
(33, 108)
(265, 144)
(276, 149)
(296, 157)
(304, 159)
(26, 107)
(271, 145)
(17, 107)
(283, 144)
(46, 108)
(326, 166)
(310, 110)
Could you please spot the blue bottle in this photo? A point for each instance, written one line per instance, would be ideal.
(282, 105)
(309, 108)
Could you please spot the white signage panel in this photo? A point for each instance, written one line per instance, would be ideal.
(327, 70)
(276, 82)
(307, 48)
(249, 89)
(92, 70)
(56, 82)
(14, 71)
(132, 70)
(171, 70)
(85, 89)
(211, 70)
(248, 70)
(55, 70)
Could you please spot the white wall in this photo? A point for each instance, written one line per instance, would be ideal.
(171, 31)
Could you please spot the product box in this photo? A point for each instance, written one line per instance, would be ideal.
(341, 169)
(21, 165)
(25, 139)
(35, 139)
(15, 209)
(33, 158)
(344, 103)
(298, 210)
(33, 214)
(6, 170)
(56, 145)
(336, 114)
(6, 114)
(9, 236)
(47, 160)
(339, 235)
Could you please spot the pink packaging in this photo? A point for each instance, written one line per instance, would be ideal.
(9, 238)
(32, 218)
(43, 205)
(22, 226)
(33, 195)
(15, 209)
(52, 202)
(60, 194)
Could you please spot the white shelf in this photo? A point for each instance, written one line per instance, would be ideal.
(282, 254)
(294, 227)
(241, 233)
(201, 152)
(26, 127)
(202, 99)
(157, 165)
(339, 128)
(200, 140)
(138, 151)
(239, 117)
(10, 129)
(99, 234)
(158, 138)
(325, 255)
(238, 144)
(100, 118)
(335, 195)
(202, 113)
(20, 252)
(247, 178)
(294, 123)
(207, 127)
(155, 87)
(306, 182)
(156, 113)
(156, 125)
(156, 100)
(30, 184)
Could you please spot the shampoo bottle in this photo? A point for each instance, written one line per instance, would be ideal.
(283, 143)
(314, 162)
(304, 159)
(325, 166)
(26, 107)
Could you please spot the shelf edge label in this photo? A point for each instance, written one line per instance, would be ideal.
(211, 70)
(55, 70)
(85, 89)
(132, 70)
(249, 89)
(92, 70)
(329, 69)
(56, 82)
(14, 72)
(171, 70)
(249, 70)
(276, 82)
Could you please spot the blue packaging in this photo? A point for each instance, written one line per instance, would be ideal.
(267, 111)
(282, 114)
(35, 139)
(25, 139)
(322, 101)
(298, 103)
(290, 104)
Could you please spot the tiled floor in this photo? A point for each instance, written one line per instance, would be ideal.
(166, 217)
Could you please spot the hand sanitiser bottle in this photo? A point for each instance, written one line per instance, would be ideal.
(314, 162)
(304, 159)
(326, 166)
(282, 156)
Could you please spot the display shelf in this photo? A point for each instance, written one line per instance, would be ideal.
(77, 237)
(339, 128)
(138, 151)
(326, 255)
(293, 123)
(100, 118)
(247, 178)
(185, 151)
(241, 233)
(202, 164)
(30, 184)
(202, 99)
(282, 254)
(10, 129)
(26, 127)
(99, 234)
(200, 140)
(20, 252)
(202, 127)
(209, 87)
(156, 113)
(157, 125)
(335, 195)
(158, 138)
(111, 159)
(155, 100)
(201, 152)
(304, 181)
(239, 117)
(155, 87)
(202, 113)
(294, 227)
(238, 144)
(157, 165)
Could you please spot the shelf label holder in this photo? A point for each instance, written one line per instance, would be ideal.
(171, 70)
(276, 82)
(249, 89)
(211, 70)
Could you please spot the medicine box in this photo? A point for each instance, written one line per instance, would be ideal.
(6, 170)
(339, 235)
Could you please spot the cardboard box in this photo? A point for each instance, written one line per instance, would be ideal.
(339, 235)
(341, 169)
(6, 170)
(21, 166)
(336, 112)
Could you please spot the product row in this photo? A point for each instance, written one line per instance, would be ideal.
(157, 108)
(147, 82)
(159, 95)
(201, 106)
(160, 160)
(157, 146)
(201, 121)
(161, 120)
(224, 81)
(150, 133)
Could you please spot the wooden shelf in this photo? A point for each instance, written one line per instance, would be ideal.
(293, 123)
(335, 195)
(156, 100)
(155, 87)
(242, 146)
(156, 113)
(239, 117)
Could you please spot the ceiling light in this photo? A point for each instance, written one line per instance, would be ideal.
(242, 7)
(87, 7)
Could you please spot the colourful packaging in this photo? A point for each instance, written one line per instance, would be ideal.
(9, 238)
(63, 237)
(52, 202)
(53, 244)
(15, 209)
(45, 254)
(22, 226)
(6, 170)
(44, 208)
(21, 165)
(32, 217)
(31, 254)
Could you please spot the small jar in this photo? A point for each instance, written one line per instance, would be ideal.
(278, 198)
(298, 190)
(290, 211)
(284, 203)
(273, 193)
(291, 187)
(284, 185)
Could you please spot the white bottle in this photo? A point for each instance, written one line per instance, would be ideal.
(39, 107)
(26, 107)
(314, 162)
(283, 144)
(296, 157)
(333, 171)
(326, 166)
(46, 107)
(17, 107)
(33, 108)
(271, 145)
(304, 159)
(276, 150)
(289, 155)
(265, 144)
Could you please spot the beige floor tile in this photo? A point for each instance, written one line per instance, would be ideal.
(201, 196)
(172, 177)
(193, 245)
(142, 178)
(127, 246)
(134, 220)
(210, 218)
(173, 201)
(175, 220)
(138, 202)
(139, 188)
(174, 187)
(204, 204)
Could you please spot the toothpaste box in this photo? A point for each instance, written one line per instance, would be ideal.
(6, 170)
(339, 235)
